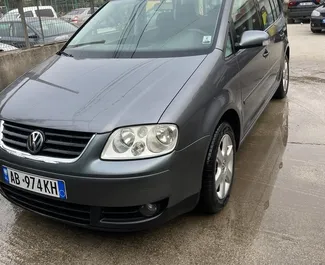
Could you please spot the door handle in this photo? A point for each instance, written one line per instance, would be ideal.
(266, 53)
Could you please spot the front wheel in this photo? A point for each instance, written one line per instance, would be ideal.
(219, 170)
(282, 90)
(316, 30)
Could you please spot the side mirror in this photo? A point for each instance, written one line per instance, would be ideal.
(253, 38)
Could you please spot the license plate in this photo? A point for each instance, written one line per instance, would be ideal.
(306, 4)
(37, 184)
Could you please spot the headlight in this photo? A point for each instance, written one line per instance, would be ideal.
(315, 13)
(141, 142)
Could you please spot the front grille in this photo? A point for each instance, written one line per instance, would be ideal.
(58, 143)
(75, 213)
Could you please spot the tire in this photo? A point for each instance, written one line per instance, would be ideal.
(212, 199)
(316, 31)
(282, 90)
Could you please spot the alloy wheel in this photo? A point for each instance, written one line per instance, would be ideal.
(225, 162)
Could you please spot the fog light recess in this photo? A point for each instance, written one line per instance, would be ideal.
(149, 210)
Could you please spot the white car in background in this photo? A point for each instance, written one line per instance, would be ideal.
(32, 11)
(78, 16)
(6, 47)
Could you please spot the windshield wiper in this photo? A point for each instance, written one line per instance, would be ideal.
(64, 53)
(87, 43)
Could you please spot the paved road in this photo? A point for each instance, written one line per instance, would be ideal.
(275, 215)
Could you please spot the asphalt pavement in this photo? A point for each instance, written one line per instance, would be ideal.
(276, 214)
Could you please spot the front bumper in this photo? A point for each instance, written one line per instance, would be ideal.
(300, 12)
(317, 23)
(108, 194)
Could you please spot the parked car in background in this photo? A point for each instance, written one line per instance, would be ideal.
(31, 11)
(126, 129)
(78, 16)
(7, 48)
(54, 29)
(301, 9)
(317, 22)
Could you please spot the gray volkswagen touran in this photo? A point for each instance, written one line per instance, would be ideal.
(137, 119)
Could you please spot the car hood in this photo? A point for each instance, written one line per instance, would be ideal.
(96, 95)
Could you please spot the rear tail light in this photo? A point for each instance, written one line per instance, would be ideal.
(292, 3)
(317, 1)
(74, 20)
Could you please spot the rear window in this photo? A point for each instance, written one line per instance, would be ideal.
(76, 12)
(53, 27)
(44, 13)
(89, 12)
(28, 14)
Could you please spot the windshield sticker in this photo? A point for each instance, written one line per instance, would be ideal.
(207, 40)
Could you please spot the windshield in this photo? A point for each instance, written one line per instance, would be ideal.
(53, 27)
(140, 28)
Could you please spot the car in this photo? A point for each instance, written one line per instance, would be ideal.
(301, 9)
(54, 30)
(78, 16)
(132, 126)
(6, 47)
(32, 11)
(317, 22)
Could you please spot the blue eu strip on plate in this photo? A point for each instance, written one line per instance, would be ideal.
(5, 174)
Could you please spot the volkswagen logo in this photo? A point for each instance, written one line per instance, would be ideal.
(35, 142)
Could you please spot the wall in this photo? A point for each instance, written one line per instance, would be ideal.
(14, 64)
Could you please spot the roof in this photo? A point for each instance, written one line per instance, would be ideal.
(29, 8)
(29, 19)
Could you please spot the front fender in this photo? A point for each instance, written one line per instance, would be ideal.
(201, 103)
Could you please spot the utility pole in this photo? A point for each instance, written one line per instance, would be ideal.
(92, 6)
(40, 20)
(7, 5)
(23, 20)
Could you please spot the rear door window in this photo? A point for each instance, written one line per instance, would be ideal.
(277, 9)
(245, 17)
(44, 13)
(18, 30)
(266, 11)
(28, 14)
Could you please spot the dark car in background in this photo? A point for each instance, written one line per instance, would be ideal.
(301, 9)
(138, 120)
(317, 21)
(54, 30)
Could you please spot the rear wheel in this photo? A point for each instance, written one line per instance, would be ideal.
(316, 30)
(282, 90)
(219, 169)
